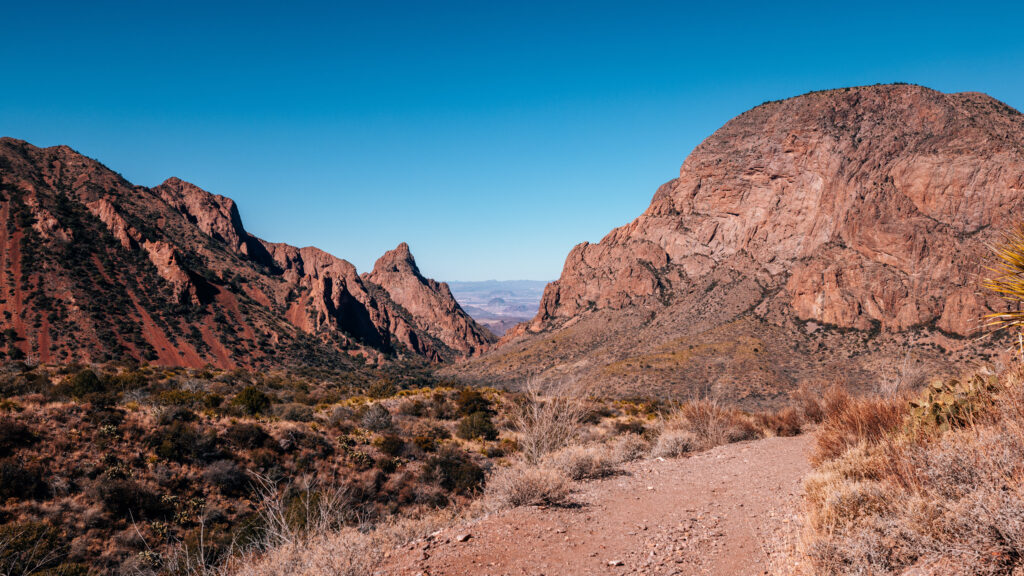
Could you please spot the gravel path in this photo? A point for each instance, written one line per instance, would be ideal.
(718, 512)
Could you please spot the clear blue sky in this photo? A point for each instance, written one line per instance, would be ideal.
(491, 136)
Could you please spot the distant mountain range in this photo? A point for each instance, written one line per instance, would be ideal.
(499, 304)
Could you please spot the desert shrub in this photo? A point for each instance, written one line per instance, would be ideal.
(440, 407)
(184, 442)
(381, 388)
(248, 436)
(387, 465)
(298, 437)
(128, 381)
(523, 485)
(675, 443)
(630, 447)
(470, 401)
(14, 435)
(252, 401)
(930, 487)
(631, 426)
(228, 477)
(125, 498)
(341, 417)
(583, 463)
(390, 444)
(413, 408)
(546, 424)
(32, 548)
(376, 417)
(176, 414)
(81, 384)
(294, 412)
(29, 383)
(345, 552)
(454, 471)
(477, 425)
(105, 416)
(25, 482)
(784, 422)
(425, 443)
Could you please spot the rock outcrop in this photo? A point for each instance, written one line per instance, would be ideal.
(866, 209)
(874, 203)
(428, 302)
(99, 269)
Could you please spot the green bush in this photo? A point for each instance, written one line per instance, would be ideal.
(454, 471)
(470, 401)
(248, 436)
(477, 425)
(28, 548)
(128, 499)
(183, 442)
(252, 401)
(390, 444)
(24, 482)
(14, 435)
(82, 385)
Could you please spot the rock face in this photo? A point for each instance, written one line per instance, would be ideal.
(863, 208)
(427, 302)
(98, 269)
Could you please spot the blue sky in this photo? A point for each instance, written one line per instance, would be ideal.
(490, 136)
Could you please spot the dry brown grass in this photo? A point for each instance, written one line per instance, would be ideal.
(851, 421)
(785, 422)
(711, 423)
(891, 494)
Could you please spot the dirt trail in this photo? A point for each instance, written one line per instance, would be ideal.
(714, 513)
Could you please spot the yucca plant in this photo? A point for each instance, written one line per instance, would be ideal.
(1007, 279)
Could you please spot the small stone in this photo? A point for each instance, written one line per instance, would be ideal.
(615, 563)
(463, 537)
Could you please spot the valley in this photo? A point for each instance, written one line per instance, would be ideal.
(499, 305)
(785, 365)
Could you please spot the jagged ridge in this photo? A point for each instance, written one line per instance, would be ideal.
(96, 269)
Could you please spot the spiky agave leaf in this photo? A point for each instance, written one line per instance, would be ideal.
(1007, 278)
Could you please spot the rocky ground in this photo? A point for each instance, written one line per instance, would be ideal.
(726, 511)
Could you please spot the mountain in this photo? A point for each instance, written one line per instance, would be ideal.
(97, 269)
(835, 235)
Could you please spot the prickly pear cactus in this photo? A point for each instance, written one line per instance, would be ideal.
(953, 403)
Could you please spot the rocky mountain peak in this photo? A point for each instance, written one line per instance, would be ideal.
(397, 260)
(854, 218)
(863, 201)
